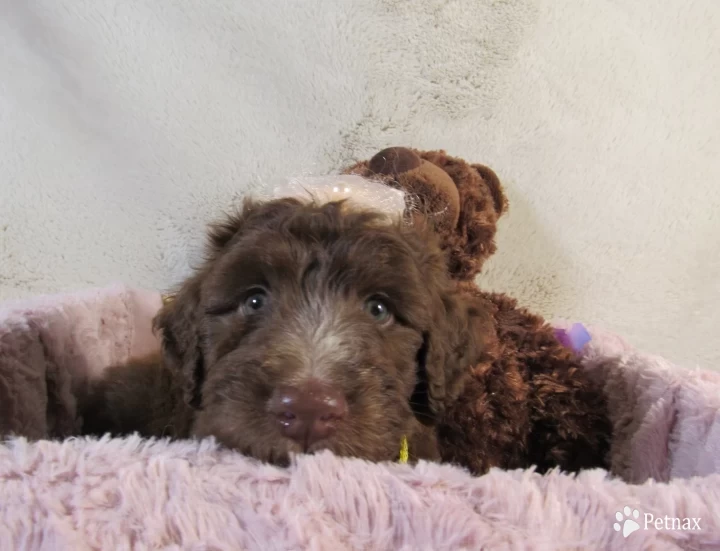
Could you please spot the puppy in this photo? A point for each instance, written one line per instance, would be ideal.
(309, 327)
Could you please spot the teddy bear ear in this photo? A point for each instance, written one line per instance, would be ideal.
(394, 161)
(430, 193)
(494, 186)
(463, 201)
(482, 203)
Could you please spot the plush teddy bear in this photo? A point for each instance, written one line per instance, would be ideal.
(528, 402)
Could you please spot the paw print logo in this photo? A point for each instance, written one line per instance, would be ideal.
(625, 523)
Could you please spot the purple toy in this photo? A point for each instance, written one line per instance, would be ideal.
(575, 338)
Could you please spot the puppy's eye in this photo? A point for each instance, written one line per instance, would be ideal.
(378, 310)
(255, 301)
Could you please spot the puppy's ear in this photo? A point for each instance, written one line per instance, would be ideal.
(180, 321)
(462, 334)
(179, 324)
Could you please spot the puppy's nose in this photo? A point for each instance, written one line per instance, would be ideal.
(308, 413)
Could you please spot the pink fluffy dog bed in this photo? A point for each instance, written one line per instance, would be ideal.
(663, 491)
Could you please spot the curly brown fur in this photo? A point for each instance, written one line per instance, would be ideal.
(317, 266)
(530, 404)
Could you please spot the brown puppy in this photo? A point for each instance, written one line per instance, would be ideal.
(308, 327)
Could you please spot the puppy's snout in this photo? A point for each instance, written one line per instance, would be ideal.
(308, 413)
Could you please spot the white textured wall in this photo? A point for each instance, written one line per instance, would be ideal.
(125, 126)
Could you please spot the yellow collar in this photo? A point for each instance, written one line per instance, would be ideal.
(404, 450)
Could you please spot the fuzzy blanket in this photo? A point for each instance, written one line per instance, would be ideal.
(129, 494)
(126, 126)
(663, 491)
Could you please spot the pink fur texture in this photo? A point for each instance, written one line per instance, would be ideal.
(51, 345)
(666, 419)
(133, 494)
(97, 326)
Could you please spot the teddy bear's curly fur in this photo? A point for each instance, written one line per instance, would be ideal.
(530, 402)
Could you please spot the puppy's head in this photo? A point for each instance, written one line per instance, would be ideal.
(319, 327)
